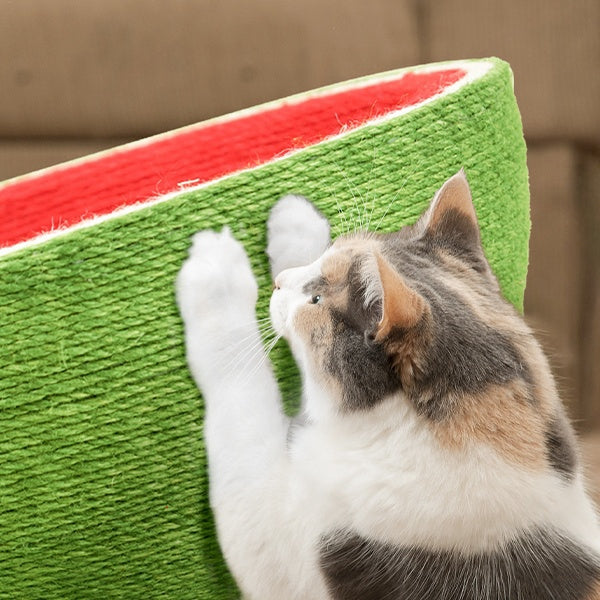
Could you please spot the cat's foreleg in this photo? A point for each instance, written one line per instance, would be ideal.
(245, 428)
(297, 234)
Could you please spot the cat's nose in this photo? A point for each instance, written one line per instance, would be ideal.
(283, 279)
(280, 280)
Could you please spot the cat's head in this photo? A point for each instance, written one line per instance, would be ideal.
(415, 311)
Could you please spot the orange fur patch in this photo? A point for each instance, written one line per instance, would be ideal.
(501, 417)
(314, 324)
(402, 306)
(407, 357)
(359, 242)
(490, 309)
(335, 268)
(595, 592)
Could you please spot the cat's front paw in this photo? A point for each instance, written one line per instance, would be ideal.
(297, 234)
(216, 280)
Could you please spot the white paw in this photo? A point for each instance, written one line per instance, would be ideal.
(297, 234)
(216, 280)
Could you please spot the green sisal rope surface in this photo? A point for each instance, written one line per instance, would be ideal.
(102, 472)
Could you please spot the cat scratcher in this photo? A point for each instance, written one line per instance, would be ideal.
(102, 471)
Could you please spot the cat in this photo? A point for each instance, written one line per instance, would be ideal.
(433, 459)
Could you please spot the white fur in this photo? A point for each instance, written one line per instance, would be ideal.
(380, 473)
(297, 234)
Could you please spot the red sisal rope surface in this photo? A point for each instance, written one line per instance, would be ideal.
(67, 195)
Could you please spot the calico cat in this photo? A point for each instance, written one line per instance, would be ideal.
(433, 460)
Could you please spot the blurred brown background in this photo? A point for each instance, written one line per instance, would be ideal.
(77, 76)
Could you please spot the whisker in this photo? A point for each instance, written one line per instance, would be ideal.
(342, 215)
(349, 186)
(249, 374)
(254, 321)
(272, 345)
(251, 337)
(398, 192)
(247, 346)
(238, 354)
(261, 328)
(370, 182)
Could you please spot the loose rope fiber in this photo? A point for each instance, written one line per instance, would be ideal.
(103, 470)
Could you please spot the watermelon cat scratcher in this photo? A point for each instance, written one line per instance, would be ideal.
(104, 491)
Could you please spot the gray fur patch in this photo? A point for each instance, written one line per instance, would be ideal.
(315, 286)
(560, 448)
(361, 366)
(538, 565)
(458, 234)
(464, 355)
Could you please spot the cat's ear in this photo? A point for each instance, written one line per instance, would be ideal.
(402, 307)
(451, 221)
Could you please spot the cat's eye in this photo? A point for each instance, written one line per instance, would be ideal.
(315, 299)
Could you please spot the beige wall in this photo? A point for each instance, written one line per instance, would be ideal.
(77, 76)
